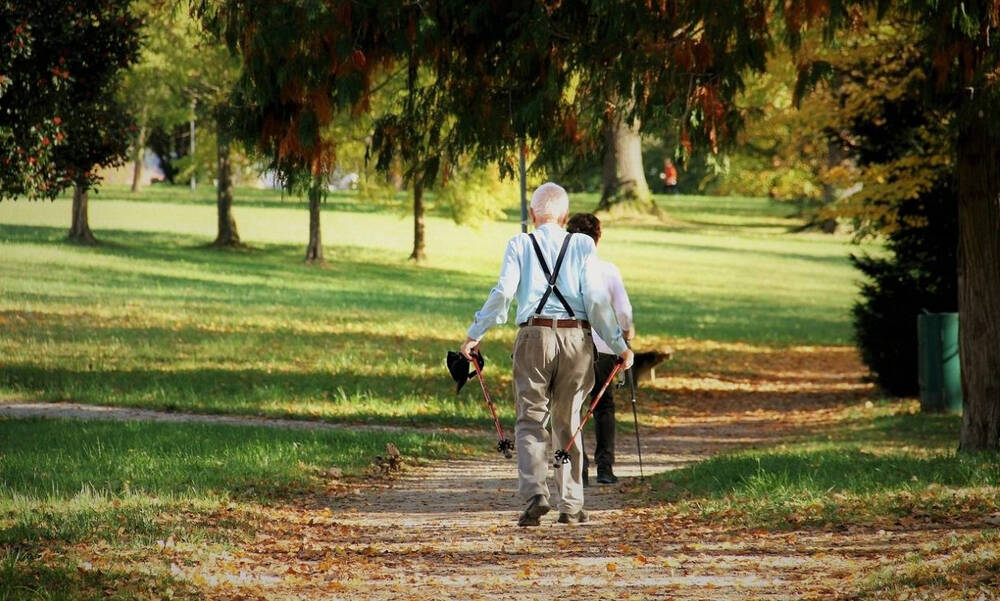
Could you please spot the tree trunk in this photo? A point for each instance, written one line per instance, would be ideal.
(979, 285)
(623, 173)
(228, 235)
(79, 231)
(314, 252)
(834, 156)
(395, 175)
(419, 246)
(139, 153)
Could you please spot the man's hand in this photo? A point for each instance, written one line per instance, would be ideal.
(628, 358)
(630, 334)
(468, 347)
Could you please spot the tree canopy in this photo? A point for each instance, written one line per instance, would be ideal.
(549, 74)
(59, 117)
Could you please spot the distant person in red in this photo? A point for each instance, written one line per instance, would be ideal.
(669, 176)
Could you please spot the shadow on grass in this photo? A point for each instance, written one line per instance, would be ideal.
(26, 576)
(336, 200)
(374, 279)
(367, 283)
(344, 397)
(765, 255)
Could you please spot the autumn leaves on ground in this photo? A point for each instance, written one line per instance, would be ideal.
(773, 470)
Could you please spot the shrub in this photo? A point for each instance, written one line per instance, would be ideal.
(919, 275)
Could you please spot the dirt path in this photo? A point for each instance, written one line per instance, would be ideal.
(447, 530)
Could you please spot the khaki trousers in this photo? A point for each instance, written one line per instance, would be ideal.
(553, 376)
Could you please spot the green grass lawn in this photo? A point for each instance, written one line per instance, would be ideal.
(885, 468)
(152, 318)
(872, 467)
(70, 480)
(126, 487)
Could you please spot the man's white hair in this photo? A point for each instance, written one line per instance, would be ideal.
(550, 200)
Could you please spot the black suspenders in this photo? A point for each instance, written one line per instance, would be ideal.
(551, 275)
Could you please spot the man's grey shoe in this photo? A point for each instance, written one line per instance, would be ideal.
(537, 507)
(606, 476)
(573, 518)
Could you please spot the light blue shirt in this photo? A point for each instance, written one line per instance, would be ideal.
(580, 280)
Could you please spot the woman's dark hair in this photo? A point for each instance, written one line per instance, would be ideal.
(585, 223)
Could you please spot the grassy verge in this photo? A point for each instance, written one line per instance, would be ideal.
(879, 470)
(124, 488)
(874, 468)
(72, 481)
(958, 567)
(22, 577)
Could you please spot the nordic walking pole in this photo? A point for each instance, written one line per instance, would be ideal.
(630, 374)
(562, 455)
(504, 444)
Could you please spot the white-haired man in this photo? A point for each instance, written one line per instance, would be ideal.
(560, 296)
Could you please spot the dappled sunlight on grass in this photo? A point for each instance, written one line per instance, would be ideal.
(153, 319)
(939, 569)
(881, 465)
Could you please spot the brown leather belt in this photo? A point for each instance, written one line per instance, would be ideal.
(559, 323)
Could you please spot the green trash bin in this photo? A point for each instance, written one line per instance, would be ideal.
(939, 368)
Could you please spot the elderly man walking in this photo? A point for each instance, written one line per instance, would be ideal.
(560, 295)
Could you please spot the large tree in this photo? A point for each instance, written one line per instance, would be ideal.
(59, 117)
(623, 173)
(956, 35)
(550, 73)
(546, 73)
(507, 75)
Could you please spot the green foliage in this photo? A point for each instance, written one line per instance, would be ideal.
(155, 86)
(474, 194)
(921, 275)
(544, 74)
(58, 118)
(899, 146)
(183, 74)
(902, 166)
(782, 152)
